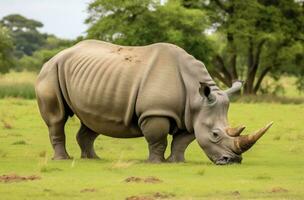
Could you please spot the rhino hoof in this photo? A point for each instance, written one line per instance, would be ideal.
(156, 160)
(61, 157)
(90, 157)
(173, 159)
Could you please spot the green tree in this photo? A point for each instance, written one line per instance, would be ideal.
(24, 31)
(142, 22)
(256, 38)
(6, 50)
(52, 46)
(36, 61)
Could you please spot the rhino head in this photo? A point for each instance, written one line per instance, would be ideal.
(221, 143)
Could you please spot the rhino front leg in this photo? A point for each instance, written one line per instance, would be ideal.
(178, 146)
(155, 130)
(57, 138)
(85, 138)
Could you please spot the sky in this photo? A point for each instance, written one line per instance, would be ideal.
(63, 18)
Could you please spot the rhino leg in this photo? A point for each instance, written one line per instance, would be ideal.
(155, 130)
(53, 112)
(57, 138)
(178, 146)
(85, 138)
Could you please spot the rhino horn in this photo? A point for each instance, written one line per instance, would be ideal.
(236, 86)
(235, 132)
(244, 142)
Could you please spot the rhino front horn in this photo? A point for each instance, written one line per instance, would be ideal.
(245, 142)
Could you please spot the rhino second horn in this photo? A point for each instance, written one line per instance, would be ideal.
(234, 132)
(245, 142)
(236, 86)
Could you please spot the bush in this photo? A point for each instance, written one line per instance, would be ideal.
(35, 62)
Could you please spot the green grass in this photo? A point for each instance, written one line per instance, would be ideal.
(19, 90)
(18, 84)
(268, 98)
(273, 169)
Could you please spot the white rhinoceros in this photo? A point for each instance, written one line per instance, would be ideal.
(127, 92)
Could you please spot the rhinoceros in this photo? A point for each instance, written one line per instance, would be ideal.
(139, 91)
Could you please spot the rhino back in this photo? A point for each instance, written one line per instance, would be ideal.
(110, 87)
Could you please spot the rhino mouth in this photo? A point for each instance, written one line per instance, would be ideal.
(226, 160)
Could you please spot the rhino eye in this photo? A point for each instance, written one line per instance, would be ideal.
(215, 136)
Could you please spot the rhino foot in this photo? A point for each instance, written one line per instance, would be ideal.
(60, 152)
(85, 138)
(61, 157)
(89, 155)
(156, 160)
(176, 159)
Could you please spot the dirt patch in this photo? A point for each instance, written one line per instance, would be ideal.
(159, 195)
(6, 125)
(88, 190)
(278, 190)
(133, 179)
(154, 196)
(149, 179)
(235, 193)
(152, 179)
(140, 198)
(16, 178)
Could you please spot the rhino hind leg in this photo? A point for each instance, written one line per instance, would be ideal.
(53, 112)
(85, 138)
(155, 131)
(178, 146)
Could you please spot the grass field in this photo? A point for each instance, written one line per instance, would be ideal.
(18, 84)
(273, 169)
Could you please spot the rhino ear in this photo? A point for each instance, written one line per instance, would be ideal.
(204, 90)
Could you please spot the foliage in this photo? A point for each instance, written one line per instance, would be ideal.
(51, 47)
(6, 50)
(35, 62)
(24, 31)
(145, 22)
(259, 37)
(53, 42)
(30, 47)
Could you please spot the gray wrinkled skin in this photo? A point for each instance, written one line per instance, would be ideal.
(128, 92)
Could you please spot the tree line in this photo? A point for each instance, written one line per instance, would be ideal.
(236, 39)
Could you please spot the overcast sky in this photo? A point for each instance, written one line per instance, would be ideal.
(64, 18)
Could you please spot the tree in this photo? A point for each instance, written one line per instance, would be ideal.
(27, 38)
(259, 37)
(52, 46)
(6, 50)
(142, 22)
